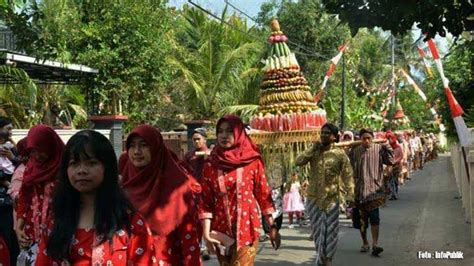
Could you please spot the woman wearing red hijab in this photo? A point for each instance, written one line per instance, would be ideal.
(34, 201)
(163, 192)
(234, 189)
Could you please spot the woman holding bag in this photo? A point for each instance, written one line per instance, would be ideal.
(234, 187)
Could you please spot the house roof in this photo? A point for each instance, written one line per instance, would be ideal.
(44, 71)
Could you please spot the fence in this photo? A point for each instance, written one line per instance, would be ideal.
(175, 141)
(464, 182)
(64, 134)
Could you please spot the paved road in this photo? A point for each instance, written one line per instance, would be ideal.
(427, 217)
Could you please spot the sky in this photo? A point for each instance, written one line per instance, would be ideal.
(251, 7)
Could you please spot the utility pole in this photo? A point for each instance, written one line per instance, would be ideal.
(394, 101)
(343, 100)
(393, 69)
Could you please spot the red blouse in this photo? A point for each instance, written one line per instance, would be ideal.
(181, 247)
(134, 249)
(233, 199)
(35, 208)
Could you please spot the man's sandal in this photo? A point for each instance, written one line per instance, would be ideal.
(376, 251)
(364, 249)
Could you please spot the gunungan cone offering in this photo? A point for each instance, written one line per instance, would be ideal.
(286, 102)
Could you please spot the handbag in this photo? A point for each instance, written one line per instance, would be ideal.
(28, 257)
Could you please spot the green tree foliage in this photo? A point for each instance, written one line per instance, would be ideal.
(369, 61)
(216, 60)
(128, 44)
(432, 17)
(162, 66)
(125, 41)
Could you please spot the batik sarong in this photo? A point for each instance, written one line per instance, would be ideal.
(324, 229)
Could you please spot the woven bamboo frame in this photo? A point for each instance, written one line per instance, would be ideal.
(285, 137)
(288, 137)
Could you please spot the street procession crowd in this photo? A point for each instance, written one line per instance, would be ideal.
(78, 204)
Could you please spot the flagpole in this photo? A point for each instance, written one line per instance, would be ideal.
(393, 69)
(455, 108)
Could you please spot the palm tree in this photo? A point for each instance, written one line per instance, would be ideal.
(215, 61)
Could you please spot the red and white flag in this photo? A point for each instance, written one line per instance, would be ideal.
(386, 103)
(333, 65)
(427, 63)
(423, 96)
(456, 109)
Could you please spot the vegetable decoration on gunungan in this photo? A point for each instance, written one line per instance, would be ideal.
(286, 102)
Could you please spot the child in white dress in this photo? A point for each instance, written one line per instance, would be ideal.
(292, 201)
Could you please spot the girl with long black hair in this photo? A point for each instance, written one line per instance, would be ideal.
(94, 222)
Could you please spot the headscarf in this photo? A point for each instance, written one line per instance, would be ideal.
(348, 133)
(393, 139)
(242, 152)
(21, 147)
(162, 191)
(43, 139)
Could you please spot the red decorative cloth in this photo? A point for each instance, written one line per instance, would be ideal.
(243, 152)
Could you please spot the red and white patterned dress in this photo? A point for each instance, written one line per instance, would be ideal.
(180, 247)
(232, 200)
(35, 207)
(135, 248)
